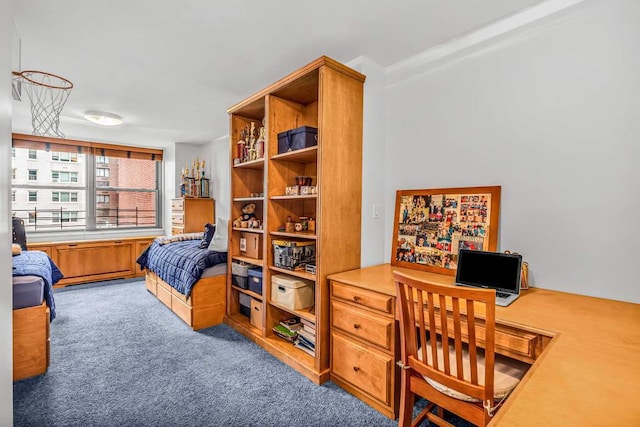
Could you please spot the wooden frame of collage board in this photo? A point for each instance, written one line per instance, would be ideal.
(431, 226)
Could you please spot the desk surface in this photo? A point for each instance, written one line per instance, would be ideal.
(588, 375)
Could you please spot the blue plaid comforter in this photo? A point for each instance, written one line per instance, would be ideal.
(180, 264)
(37, 263)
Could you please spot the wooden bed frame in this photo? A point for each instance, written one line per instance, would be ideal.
(205, 307)
(30, 341)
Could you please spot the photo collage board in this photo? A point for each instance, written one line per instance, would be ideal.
(431, 226)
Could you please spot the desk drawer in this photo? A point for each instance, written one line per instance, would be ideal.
(373, 300)
(365, 325)
(510, 341)
(370, 371)
(177, 218)
(177, 204)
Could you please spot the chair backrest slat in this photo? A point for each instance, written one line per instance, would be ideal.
(471, 333)
(457, 333)
(444, 322)
(421, 325)
(433, 335)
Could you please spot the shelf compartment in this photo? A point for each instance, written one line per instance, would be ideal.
(295, 235)
(287, 348)
(251, 164)
(248, 199)
(303, 313)
(305, 155)
(249, 230)
(297, 273)
(307, 197)
(248, 292)
(242, 321)
(252, 261)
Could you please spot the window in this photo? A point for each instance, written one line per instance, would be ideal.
(58, 217)
(33, 154)
(64, 196)
(103, 198)
(64, 157)
(91, 187)
(102, 172)
(63, 176)
(129, 198)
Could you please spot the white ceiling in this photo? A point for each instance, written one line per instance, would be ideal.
(172, 68)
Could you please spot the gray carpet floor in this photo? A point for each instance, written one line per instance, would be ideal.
(121, 358)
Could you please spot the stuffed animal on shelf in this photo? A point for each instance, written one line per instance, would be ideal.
(247, 216)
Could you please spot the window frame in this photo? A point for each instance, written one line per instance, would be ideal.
(96, 156)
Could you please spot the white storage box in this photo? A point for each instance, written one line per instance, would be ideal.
(291, 292)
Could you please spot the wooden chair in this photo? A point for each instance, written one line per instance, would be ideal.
(453, 368)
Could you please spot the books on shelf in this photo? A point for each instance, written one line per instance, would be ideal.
(284, 333)
(308, 326)
(293, 324)
(307, 336)
(309, 351)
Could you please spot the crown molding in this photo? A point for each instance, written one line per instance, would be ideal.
(421, 62)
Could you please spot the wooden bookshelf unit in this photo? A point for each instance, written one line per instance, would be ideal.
(328, 96)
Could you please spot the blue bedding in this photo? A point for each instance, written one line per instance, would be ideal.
(180, 264)
(37, 263)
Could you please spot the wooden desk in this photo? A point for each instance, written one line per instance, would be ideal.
(587, 374)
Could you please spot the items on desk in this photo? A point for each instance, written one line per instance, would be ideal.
(524, 275)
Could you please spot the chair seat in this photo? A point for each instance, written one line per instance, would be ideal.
(507, 373)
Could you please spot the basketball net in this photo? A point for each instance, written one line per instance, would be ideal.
(47, 94)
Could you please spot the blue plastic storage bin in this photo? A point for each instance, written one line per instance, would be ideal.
(255, 280)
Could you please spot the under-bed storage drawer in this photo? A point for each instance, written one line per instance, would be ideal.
(151, 282)
(182, 309)
(164, 292)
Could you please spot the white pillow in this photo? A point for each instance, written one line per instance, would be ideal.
(219, 242)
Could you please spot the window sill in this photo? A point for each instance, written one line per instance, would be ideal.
(93, 235)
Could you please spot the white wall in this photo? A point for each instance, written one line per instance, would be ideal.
(373, 164)
(8, 37)
(550, 112)
(219, 158)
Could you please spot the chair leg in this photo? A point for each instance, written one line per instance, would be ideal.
(406, 400)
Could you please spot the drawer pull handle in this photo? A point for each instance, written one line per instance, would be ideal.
(356, 369)
(356, 326)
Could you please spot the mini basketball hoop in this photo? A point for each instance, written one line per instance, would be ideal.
(47, 93)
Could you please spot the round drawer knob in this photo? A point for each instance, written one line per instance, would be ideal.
(356, 326)
(356, 369)
(356, 298)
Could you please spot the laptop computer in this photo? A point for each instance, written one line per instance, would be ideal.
(491, 270)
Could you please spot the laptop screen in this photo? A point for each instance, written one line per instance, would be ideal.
(493, 270)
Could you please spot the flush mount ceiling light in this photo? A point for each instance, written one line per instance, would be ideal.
(102, 118)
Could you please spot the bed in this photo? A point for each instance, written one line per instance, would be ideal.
(34, 275)
(188, 279)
